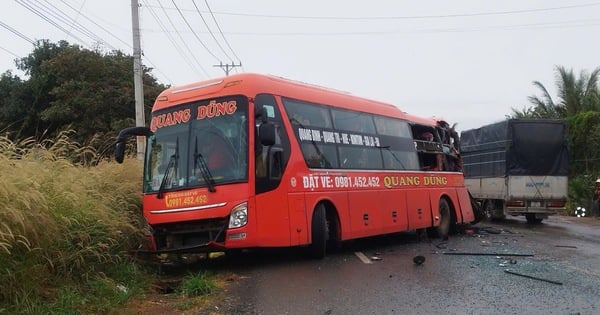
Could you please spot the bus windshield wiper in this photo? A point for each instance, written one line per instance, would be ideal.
(200, 162)
(173, 161)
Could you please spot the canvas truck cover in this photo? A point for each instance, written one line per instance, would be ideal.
(516, 147)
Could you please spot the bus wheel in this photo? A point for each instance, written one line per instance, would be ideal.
(443, 229)
(318, 245)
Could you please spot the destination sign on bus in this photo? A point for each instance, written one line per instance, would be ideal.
(324, 136)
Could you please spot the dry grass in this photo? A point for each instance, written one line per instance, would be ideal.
(61, 220)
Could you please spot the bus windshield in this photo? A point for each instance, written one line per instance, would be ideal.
(199, 144)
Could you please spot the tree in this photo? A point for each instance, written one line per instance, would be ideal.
(575, 95)
(70, 87)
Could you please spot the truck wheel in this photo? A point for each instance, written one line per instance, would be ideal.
(489, 210)
(443, 229)
(531, 219)
(318, 245)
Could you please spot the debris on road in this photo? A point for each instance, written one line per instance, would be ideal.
(566, 246)
(419, 260)
(531, 277)
(363, 258)
(488, 254)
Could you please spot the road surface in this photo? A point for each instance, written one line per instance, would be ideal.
(508, 267)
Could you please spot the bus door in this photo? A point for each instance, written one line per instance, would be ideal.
(270, 162)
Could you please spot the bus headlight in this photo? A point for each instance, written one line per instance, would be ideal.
(238, 216)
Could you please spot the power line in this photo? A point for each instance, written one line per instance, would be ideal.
(127, 44)
(210, 31)
(10, 52)
(66, 19)
(194, 32)
(96, 24)
(14, 31)
(412, 17)
(173, 41)
(563, 24)
(227, 67)
(221, 32)
(47, 19)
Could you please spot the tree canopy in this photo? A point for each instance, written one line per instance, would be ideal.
(578, 102)
(72, 88)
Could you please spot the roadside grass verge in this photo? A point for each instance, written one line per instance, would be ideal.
(67, 222)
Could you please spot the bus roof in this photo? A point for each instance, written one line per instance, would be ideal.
(251, 83)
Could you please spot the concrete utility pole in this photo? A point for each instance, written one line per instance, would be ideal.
(227, 67)
(137, 77)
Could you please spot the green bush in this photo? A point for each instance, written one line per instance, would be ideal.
(581, 193)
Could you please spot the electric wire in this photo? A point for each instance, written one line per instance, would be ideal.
(173, 40)
(69, 21)
(10, 52)
(79, 13)
(414, 17)
(47, 19)
(96, 24)
(14, 31)
(221, 32)
(142, 54)
(552, 25)
(182, 39)
(210, 31)
(194, 32)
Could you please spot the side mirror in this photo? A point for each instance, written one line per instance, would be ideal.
(266, 132)
(120, 152)
(123, 135)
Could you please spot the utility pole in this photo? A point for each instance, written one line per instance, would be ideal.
(227, 67)
(137, 77)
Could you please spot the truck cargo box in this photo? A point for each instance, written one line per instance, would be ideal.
(516, 147)
(517, 167)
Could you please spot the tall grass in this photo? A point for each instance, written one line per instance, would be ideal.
(65, 226)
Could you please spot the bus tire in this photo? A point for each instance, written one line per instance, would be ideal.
(318, 245)
(443, 229)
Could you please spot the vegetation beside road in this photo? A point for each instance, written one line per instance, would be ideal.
(66, 228)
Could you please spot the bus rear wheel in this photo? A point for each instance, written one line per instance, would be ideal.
(443, 229)
(318, 245)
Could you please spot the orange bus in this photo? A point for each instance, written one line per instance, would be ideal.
(250, 161)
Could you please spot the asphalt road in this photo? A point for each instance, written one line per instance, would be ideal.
(507, 267)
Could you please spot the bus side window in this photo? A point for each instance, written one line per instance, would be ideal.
(276, 163)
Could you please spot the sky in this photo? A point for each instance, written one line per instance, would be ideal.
(470, 62)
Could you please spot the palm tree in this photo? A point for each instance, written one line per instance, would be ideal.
(575, 95)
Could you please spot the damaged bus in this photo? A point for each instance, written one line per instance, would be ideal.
(249, 161)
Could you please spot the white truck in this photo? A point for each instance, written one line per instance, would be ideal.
(517, 167)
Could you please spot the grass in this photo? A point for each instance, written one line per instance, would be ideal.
(67, 221)
(66, 224)
(197, 284)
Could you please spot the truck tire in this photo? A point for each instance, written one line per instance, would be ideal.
(531, 219)
(318, 245)
(493, 210)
